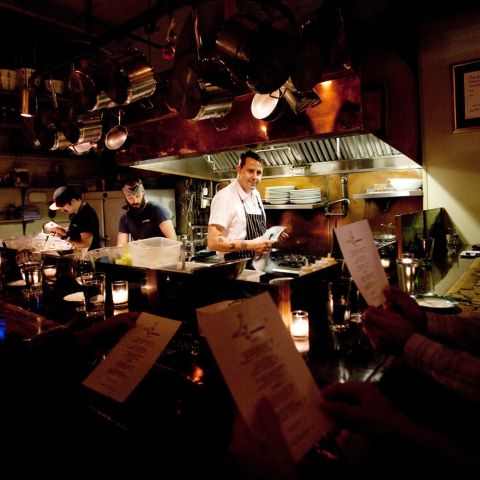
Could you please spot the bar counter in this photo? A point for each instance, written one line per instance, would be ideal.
(183, 406)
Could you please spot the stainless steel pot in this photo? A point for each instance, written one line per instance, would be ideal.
(257, 52)
(202, 89)
(128, 77)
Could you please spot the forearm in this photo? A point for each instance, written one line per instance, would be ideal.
(225, 244)
(452, 367)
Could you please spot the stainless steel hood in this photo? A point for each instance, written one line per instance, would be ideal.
(362, 152)
(364, 122)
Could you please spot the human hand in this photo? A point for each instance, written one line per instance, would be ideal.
(402, 303)
(360, 407)
(262, 451)
(387, 330)
(261, 246)
(106, 332)
(60, 231)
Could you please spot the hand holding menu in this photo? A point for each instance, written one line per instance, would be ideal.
(363, 261)
(259, 363)
(132, 357)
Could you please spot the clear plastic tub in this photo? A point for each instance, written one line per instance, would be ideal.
(154, 252)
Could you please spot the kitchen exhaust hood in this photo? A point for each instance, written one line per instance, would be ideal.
(361, 152)
(362, 123)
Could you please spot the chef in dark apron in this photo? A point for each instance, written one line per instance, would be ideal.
(237, 218)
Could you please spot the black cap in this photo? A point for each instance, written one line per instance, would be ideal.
(62, 196)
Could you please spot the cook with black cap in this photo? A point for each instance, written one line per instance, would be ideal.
(83, 230)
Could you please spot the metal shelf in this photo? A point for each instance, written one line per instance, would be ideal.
(391, 194)
(295, 206)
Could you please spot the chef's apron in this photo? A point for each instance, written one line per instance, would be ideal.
(256, 227)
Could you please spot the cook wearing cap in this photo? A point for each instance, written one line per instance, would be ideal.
(83, 230)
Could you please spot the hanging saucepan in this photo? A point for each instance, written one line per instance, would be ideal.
(202, 89)
(128, 77)
(46, 131)
(118, 137)
(54, 139)
(323, 53)
(257, 52)
(268, 106)
(85, 87)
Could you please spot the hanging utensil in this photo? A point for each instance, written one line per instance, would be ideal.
(202, 89)
(116, 138)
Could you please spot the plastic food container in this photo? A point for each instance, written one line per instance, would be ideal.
(154, 252)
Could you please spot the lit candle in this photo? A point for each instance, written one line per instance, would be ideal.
(120, 293)
(385, 262)
(49, 270)
(299, 328)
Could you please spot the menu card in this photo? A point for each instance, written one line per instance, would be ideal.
(259, 361)
(363, 261)
(133, 356)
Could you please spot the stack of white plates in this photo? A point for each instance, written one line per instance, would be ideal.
(305, 195)
(278, 195)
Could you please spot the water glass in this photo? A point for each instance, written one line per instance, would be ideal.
(406, 274)
(120, 294)
(93, 286)
(338, 305)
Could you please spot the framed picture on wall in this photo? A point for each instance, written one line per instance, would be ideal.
(466, 96)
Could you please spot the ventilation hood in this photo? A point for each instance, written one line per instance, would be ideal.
(362, 152)
(362, 123)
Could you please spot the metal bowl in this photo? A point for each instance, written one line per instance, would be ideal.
(228, 270)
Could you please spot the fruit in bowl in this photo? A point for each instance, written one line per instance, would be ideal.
(405, 183)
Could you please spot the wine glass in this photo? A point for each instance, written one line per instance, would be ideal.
(82, 264)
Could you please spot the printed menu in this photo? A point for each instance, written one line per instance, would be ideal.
(363, 261)
(259, 361)
(133, 356)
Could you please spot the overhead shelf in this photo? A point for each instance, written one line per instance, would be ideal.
(384, 199)
(389, 194)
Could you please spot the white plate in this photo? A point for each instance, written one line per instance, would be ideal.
(75, 297)
(433, 302)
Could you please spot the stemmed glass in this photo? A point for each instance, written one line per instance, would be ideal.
(83, 263)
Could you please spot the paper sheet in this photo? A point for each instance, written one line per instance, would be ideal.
(258, 359)
(132, 357)
(363, 261)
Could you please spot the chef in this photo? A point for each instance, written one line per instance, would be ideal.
(237, 220)
(83, 230)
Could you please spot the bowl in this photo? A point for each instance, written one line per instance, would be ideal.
(405, 183)
(227, 270)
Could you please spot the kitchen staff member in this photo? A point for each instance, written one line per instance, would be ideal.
(143, 219)
(83, 230)
(237, 218)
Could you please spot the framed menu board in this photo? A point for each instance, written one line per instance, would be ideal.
(466, 96)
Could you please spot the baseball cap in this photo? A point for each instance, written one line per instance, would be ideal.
(62, 196)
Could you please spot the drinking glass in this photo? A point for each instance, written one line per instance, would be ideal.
(338, 305)
(93, 286)
(82, 264)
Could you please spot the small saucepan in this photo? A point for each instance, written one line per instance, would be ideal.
(118, 137)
